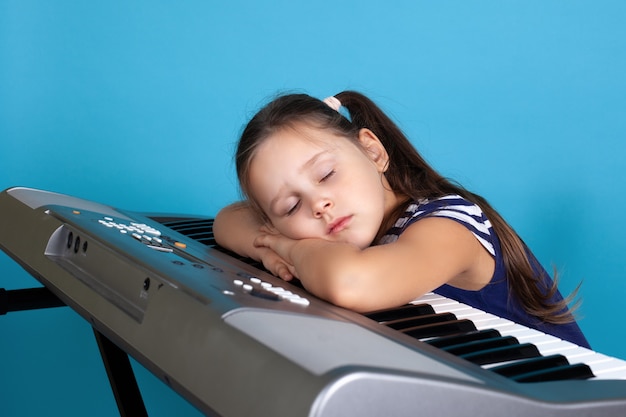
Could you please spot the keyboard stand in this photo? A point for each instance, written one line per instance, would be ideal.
(27, 299)
(122, 378)
(119, 370)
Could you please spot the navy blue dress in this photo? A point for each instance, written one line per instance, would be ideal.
(494, 297)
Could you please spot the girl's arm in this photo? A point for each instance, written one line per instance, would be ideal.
(431, 252)
(236, 227)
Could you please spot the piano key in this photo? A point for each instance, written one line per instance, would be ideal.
(420, 320)
(530, 365)
(503, 354)
(480, 345)
(405, 311)
(487, 320)
(491, 358)
(440, 329)
(444, 341)
(603, 367)
(576, 371)
(606, 369)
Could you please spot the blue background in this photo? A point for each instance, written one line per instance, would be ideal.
(138, 104)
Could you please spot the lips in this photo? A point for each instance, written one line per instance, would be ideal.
(339, 224)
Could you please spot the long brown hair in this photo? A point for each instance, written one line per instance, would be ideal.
(408, 174)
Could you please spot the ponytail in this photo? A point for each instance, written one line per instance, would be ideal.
(412, 176)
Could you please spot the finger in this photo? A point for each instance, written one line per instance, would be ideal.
(279, 269)
(292, 271)
(265, 229)
(268, 228)
(261, 241)
(283, 273)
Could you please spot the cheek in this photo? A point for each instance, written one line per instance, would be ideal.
(304, 226)
(295, 228)
(369, 187)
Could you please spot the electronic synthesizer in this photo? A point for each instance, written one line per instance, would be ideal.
(236, 341)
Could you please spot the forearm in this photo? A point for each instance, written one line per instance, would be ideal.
(357, 279)
(236, 227)
(337, 272)
(431, 253)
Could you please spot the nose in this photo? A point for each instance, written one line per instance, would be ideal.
(321, 206)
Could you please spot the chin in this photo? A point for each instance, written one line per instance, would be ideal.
(361, 243)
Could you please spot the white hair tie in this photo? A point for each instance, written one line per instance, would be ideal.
(333, 102)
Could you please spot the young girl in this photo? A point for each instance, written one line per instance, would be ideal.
(350, 208)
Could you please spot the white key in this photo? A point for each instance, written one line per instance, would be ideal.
(603, 366)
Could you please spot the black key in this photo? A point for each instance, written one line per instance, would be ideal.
(440, 329)
(530, 365)
(503, 354)
(456, 339)
(576, 371)
(408, 310)
(481, 345)
(419, 321)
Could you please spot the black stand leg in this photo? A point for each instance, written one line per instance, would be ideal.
(122, 378)
(27, 299)
(116, 362)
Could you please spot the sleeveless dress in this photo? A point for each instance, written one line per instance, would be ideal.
(494, 297)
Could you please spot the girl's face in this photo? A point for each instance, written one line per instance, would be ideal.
(314, 183)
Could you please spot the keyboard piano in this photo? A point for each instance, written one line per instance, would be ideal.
(236, 341)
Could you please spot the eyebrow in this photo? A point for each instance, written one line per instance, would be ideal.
(304, 167)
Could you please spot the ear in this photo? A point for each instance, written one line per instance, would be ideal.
(374, 149)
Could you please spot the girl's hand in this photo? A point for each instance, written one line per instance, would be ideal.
(236, 227)
(275, 264)
(274, 261)
(278, 248)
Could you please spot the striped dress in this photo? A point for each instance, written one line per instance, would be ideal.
(494, 297)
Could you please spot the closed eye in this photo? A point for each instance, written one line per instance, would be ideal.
(293, 209)
(327, 176)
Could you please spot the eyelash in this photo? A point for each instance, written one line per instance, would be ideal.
(293, 209)
(327, 176)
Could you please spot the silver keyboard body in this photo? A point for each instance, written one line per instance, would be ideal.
(236, 341)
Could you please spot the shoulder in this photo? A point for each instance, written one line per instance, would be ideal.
(446, 250)
(453, 207)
